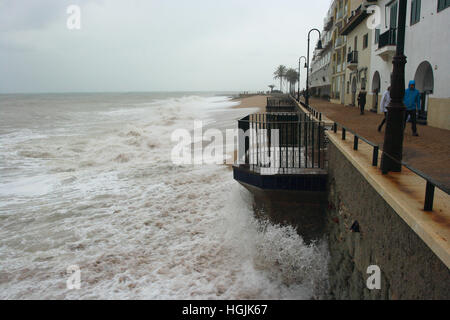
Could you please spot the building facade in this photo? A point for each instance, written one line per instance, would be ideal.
(341, 11)
(320, 71)
(360, 39)
(358, 59)
(426, 49)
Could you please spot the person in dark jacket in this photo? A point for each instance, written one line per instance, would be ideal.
(412, 104)
(362, 99)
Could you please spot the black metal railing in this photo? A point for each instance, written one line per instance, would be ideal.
(352, 57)
(281, 143)
(280, 105)
(431, 183)
(316, 114)
(388, 38)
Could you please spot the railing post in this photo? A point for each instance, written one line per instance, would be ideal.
(313, 129)
(429, 197)
(375, 156)
(319, 149)
(257, 140)
(355, 142)
(306, 143)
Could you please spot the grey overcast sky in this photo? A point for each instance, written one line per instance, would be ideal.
(152, 45)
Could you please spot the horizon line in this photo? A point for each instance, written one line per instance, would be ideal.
(157, 91)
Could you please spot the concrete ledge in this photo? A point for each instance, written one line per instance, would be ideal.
(312, 180)
(327, 122)
(405, 193)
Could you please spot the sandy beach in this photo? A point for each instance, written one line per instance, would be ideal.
(259, 101)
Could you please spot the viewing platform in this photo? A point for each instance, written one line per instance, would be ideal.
(281, 150)
(282, 161)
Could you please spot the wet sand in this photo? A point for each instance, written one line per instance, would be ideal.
(259, 102)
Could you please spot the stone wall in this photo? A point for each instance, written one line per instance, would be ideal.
(409, 269)
(305, 211)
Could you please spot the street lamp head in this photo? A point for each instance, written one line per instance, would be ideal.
(319, 45)
(306, 65)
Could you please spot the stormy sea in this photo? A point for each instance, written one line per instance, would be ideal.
(87, 183)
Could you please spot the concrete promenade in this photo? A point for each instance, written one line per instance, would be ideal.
(429, 153)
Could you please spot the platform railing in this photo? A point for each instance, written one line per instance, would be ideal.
(281, 143)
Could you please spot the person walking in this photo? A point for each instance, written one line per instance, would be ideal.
(385, 101)
(362, 100)
(412, 103)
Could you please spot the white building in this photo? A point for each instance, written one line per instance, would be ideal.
(426, 48)
(320, 71)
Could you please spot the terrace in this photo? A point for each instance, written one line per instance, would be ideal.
(281, 151)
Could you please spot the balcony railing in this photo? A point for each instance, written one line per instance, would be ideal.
(329, 21)
(281, 143)
(389, 38)
(352, 57)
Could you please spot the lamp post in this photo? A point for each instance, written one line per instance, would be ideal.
(319, 46)
(393, 138)
(299, 67)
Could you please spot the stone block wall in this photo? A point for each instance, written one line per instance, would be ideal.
(409, 269)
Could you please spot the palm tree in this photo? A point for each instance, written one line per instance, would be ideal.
(291, 77)
(271, 87)
(280, 73)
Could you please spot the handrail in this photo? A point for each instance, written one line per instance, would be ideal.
(431, 183)
(316, 114)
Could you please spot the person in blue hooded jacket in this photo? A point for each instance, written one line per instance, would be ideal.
(412, 104)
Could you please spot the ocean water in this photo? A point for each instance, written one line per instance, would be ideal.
(87, 180)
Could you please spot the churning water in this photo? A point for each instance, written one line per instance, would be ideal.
(87, 180)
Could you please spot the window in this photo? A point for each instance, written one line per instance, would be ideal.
(442, 4)
(391, 15)
(377, 36)
(415, 11)
(366, 41)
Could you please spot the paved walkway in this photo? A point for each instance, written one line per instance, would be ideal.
(429, 153)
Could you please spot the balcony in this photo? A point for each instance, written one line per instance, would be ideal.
(281, 151)
(328, 24)
(387, 44)
(352, 60)
(357, 17)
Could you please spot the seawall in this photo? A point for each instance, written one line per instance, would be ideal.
(369, 219)
(388, 238)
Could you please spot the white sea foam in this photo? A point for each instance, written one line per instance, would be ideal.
(109, 200)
